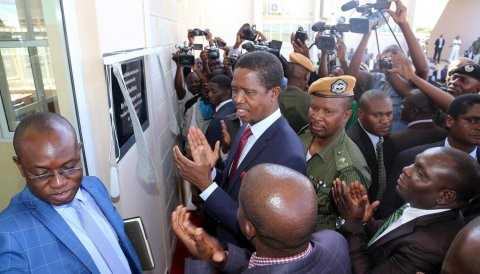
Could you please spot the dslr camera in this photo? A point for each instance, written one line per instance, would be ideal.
(301, 35)
(185, 56)
(385, 63)
(327, 41)
(248, 32)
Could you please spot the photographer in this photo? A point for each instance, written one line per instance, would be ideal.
(396, 86)
(246, 32)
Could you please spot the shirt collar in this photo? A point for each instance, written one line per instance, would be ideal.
(413, 212)
(419, 122)
(373, 138)
(222, 104)
(473, 153)
(78, 196)
(260, 127)
(256, 261)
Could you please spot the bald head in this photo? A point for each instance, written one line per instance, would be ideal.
(281, 205)
(41, 124)
(462, 255)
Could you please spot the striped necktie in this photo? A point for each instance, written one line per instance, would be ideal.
(382, 173)
(394, 217)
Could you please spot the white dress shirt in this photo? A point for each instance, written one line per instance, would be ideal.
(473, 153)
(409, 214)
(257, 131)
(72, 219)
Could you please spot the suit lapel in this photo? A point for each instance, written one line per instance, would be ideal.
(365, 140)
(409, 227)
(256, 149)
(49, 217)
(260, 144)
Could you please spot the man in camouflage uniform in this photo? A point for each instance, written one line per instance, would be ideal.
(331, 153)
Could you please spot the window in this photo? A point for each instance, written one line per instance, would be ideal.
(27, 82)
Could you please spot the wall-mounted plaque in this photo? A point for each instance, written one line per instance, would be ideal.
(134, 77)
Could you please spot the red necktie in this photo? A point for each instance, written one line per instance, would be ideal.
(243, 141)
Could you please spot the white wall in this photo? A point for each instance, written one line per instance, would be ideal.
(104, 26)
(222, 17)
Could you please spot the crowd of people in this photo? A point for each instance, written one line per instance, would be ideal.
(344, 167)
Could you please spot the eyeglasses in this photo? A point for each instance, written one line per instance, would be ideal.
(66, 172)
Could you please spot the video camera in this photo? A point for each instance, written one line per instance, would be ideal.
(185, 56)
(328, 41)
(374, 15)
(197, 32)
(273, 47)
(301, 34)
(213, 53)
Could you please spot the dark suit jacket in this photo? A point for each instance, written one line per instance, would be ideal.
(214, 130)
(439, 43)
(418, 134)
(278, 145)
(392, 200)
(419, 245)
(329, 255)
(360, 137)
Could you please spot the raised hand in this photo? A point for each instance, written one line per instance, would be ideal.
(196, 172)
(341, 49)
(226, 140)
(299, 46)
(402, 67)
(347, 207)
(201, 150)
(400, 13)
(352, 201)
(197, 241)
(359, 195)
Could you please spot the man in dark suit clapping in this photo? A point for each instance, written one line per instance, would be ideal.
(265, 137)
(416, 236)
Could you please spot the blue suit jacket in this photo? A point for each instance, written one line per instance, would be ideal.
(278, 145)
(34, 238)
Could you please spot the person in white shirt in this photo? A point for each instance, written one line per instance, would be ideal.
(455, 52)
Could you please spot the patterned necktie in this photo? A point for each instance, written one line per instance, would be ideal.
(394, 217)
(382, 174)
(98, 238)
(243, 141)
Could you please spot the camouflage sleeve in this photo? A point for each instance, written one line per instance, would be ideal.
(351, 174)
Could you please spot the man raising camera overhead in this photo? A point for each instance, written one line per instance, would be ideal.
(396, 86)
